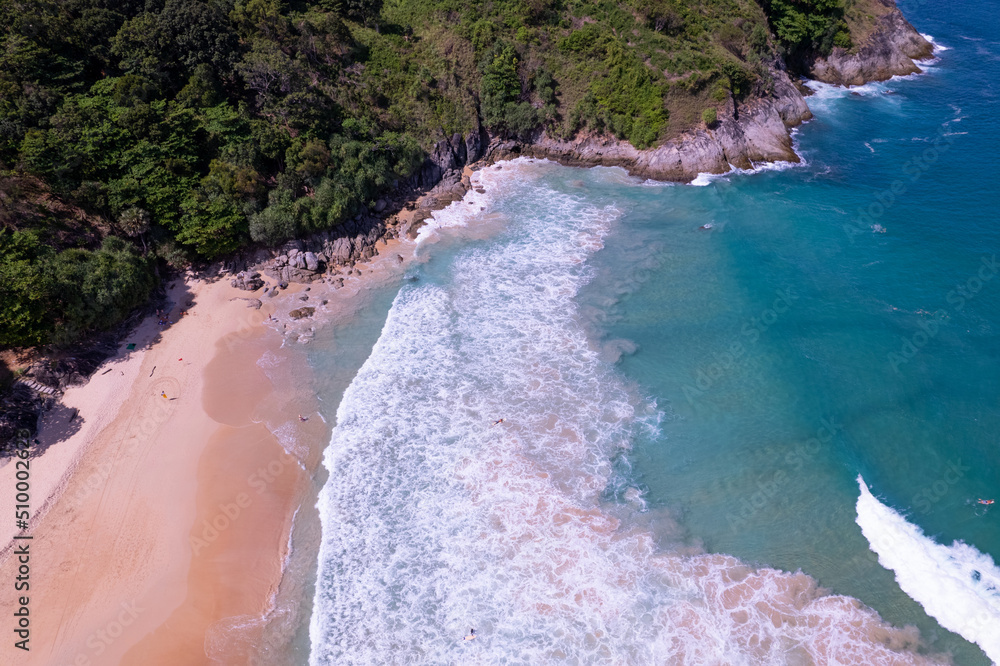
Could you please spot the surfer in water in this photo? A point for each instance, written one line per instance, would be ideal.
(498, 422)
(982, 506)
(472, 632)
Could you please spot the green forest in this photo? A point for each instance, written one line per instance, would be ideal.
(140, 135)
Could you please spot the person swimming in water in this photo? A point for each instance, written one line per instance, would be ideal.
(498, 422)
(472, 632)
(986, 502)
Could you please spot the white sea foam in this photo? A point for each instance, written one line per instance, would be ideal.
(937, 47)
(288, 435)
(824, 91)
(243, 639)
(435, 521)
(958, 115)
(649, 182)
(460, 213)
(268, 361)
(703, 179)
(957, 585)
(780, 165)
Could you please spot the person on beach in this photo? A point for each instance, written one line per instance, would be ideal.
(163, 394)
(303, 418)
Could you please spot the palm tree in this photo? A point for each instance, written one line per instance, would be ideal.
(135, 222)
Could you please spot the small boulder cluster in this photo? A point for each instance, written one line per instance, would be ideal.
(443, 178)
(247, 280)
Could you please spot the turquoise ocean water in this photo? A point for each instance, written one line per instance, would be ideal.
(730, 409)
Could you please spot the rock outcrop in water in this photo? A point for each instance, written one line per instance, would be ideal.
(749, 133)
(744, 134)
(890, 51)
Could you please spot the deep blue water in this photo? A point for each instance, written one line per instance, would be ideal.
(686, 372)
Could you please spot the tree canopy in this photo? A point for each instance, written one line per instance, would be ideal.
(138, 133)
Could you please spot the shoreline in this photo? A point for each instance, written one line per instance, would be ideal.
(111, 542)
(116, 534)
(365, 453)
(166, 526)
(747, 136)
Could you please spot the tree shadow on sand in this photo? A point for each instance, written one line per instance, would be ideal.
(58, 424)
(25, 410)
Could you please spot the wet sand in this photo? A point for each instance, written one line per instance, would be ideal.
(161, 526)
(166, 515)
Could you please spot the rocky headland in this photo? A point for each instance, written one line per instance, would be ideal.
(745, 134)
(890, 50)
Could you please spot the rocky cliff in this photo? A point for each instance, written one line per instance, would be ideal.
(744, 134)
(890, 50)
(756, 131)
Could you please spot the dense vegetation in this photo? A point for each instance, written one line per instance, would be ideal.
(138, 133)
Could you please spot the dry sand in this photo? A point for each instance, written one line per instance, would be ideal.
(161, 516)
(161, 525)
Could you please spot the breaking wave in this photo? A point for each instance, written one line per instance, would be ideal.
(436, 521)
(957, 585)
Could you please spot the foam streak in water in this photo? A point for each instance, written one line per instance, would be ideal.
(957, 585)
(435, 521)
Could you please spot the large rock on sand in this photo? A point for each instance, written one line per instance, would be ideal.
(247, 281)
(312, 263)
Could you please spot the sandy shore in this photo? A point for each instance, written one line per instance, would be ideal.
(163, 510)
(156, 518)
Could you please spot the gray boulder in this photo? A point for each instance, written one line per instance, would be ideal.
(300, 275)
(247, 281)
(443, 156)
(340, 250)
(311, 262)
(889, 51)
(458, 149)
(430, 174)
(473, 147)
